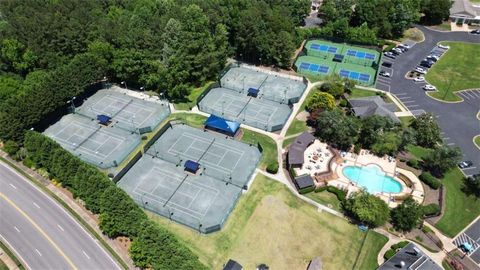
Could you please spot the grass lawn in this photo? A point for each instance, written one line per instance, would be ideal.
(269, 146)
(325, 198)
(3, 266)
(460, 209)
(287, 142)
(191, 100)
(406, 120)
(298, 126)
(359, 93)
(413, 34)
(191, 119)
(456, 70)
(477, 140)
(270, 225)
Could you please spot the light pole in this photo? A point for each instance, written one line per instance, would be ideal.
(124, 83)
(72, 104)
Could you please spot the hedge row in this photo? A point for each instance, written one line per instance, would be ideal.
(341, 195)
(393, 249)
(152, 246)
(431, 181)
(431, 209)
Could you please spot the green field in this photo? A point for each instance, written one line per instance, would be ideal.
(269, 154)
(460, 209)
(270, 225)
(190, 101)
(325, 198)
(297, 126)
(456, 70)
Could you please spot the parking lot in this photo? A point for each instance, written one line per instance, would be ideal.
(471, 237)
(457, 120)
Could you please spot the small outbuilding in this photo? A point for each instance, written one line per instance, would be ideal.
(222, 125)
(232, 265)
(374, 105)
(304, 182)
(297, 149)
(192, 166)
(253, 92)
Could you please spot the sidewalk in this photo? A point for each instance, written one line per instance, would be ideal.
(7, 260)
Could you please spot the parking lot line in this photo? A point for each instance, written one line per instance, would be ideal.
(408, 101)
(476, 93)
(412, 106)
(469, 168)
(404, 98)
(450, 143)
(401, 94)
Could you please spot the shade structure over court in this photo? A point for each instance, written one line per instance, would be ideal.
(159, 183)
(222, 125)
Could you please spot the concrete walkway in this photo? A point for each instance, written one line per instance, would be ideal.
(11, 265)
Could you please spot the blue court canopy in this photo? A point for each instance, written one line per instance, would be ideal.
(191, 166)
(253, 91)
(103, 119)
(221, 124)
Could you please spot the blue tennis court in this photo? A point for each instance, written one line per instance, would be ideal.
(314, 67)
(361, 55)
(354, 75)
(324, 48)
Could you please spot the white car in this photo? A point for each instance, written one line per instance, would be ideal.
(429, 87)
(419, 79)
(446, 47)
(384, 74)
(420, 70)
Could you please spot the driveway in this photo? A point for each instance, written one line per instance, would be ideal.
(457, 120)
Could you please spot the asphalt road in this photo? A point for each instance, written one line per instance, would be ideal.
(41, 233)
(457, 120)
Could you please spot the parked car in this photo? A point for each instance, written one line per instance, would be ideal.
(403, 49)
(404, 46)
(389, 55)
(426, 64)
(428, 87)
(387, 64)
(396, 51)
(465, 164)
(420, 70)
(432, 58)
(446, 47)
(384, 74)
(419, 79)
(475, 32)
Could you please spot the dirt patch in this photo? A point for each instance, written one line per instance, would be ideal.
(428, 240)
(302, 116)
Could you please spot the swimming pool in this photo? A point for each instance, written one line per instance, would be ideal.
(372, 178)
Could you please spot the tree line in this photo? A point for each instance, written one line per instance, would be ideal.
(152, 246)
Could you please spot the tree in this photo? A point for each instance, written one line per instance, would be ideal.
(373, 128)
(427, 130)
(337, 128)
(320, 100)
(367, 208)
(436, 11)
(442, 159)
(472, 185)
(407, 215)
(334, 86)
(387, 144)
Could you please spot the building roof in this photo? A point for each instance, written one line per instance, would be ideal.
(315, 264)
(192, 166)
(374, 105)
(222, 124)
(232, 265)
(253, 91)
(103, 119)
(297, 148)
(463, 7)
(304, 181)
(412, 258)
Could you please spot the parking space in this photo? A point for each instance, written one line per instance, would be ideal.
(469, 241)
(470, 94)
(387, 66)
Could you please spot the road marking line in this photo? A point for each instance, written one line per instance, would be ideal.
(86, 255)
(408, 101)
(450, 143)
(60, 227)
(13, 186)
(69, 261)
(16, 229)
(401, 98)
(401, 94)
(412, 106)
(38, 252)
(446, 138)
(469, 168)
(36, 205)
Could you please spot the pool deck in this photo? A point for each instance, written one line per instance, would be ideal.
(387, 164)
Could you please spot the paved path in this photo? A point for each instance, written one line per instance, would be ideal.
(40, 232)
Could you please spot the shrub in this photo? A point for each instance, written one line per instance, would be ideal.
(431, 209)
(272, 167)
(321, 189)
(389, 254)
(413, 163)
(306, 190)
(357, 148)
(341, 195)
(343, 103)
(431, 181)
(11, 148)
(399, 245)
